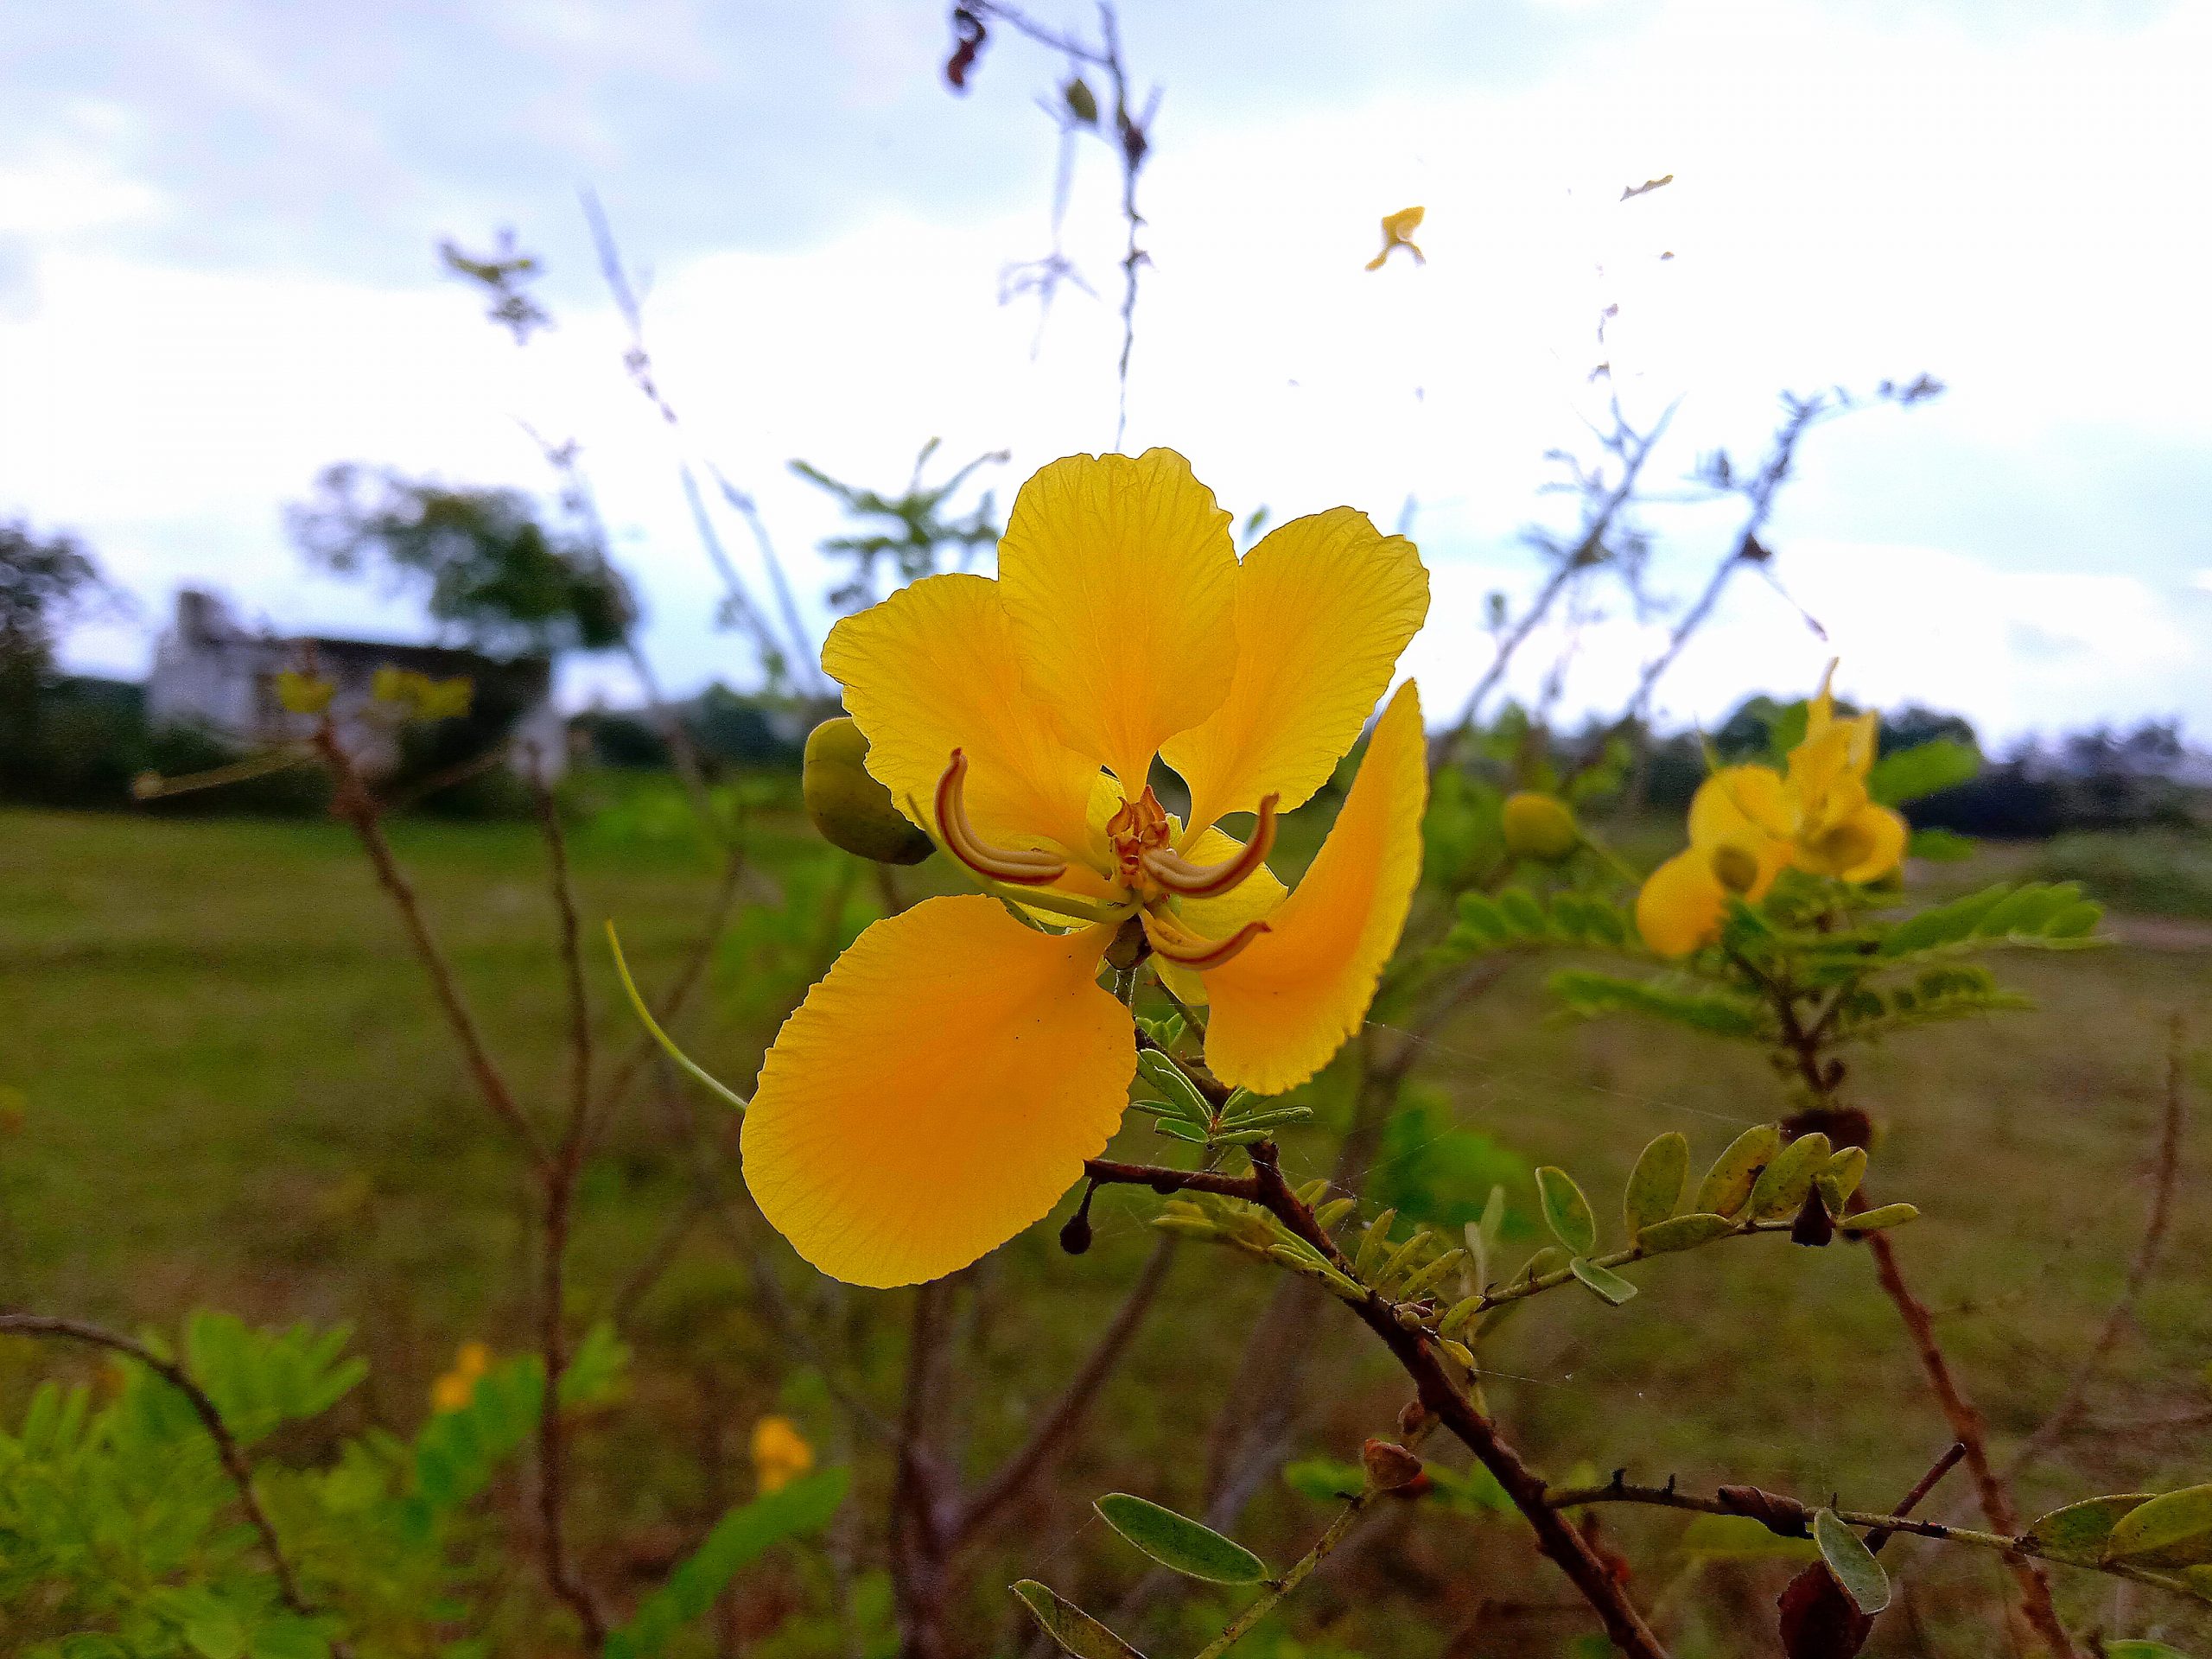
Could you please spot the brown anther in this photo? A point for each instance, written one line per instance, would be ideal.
(1020, 866)
(1188, 951)
(1177, 875)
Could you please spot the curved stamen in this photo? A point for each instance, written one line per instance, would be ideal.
(1179, 874)
(1188, 951)
(1021, 868)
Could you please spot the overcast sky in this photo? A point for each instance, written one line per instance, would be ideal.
(218, 274)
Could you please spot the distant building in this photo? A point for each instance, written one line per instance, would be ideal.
(212, 673)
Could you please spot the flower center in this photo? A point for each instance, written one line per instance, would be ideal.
(1139, 828)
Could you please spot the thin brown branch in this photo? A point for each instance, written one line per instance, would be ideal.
(227, 1445)
(351, 802)
(1058, 1425)
(921, 1495)
(558, 1176)
(1758, 1505)
(1965, 1421)
(2166, 1175)
(1444, 1398)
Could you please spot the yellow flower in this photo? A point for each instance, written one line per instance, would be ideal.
(939, 1089)
(780, 1453)
(1398, 230)
(458, 1386)
(1749, 823)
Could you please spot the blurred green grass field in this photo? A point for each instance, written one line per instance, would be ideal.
(239, 1096)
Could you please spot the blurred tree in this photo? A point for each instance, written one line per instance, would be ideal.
(914, 526)
(495, 574)
(43, 582)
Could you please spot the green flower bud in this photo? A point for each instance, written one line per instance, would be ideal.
(850, 809)
(1541, 827)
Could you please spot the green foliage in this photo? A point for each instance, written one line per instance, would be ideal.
(1853, 1564)
(121, 1534)
(916, 524)
(483, 562)
(1179, 1544)
(1720, 1012)
(2149, 871)
(1430, 1172)
(1654, 1185)
(741, 1536)
(1069, 1629)
(1567, 1211)
(1907, 774)
(1517, 919)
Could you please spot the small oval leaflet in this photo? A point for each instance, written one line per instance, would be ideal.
(2141, 1648)
(1728, 1184)
(2180, 1522)
(2080, 1529)
(1781, 1187)
(1179, 1544)
(1683, 1232)
(1655, 1186)
(1602, 1281)
(1852, 1563)
(1873, 1220)
(1567, 1211)
(1071, 1629)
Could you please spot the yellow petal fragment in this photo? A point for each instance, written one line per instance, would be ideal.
(1862, 845)
(1682, 904)
(1743, 806)
(932, 668)
(1120, 583)
(1283, 1007)
(1325, 606)
(936, 1092)
(1254, 899)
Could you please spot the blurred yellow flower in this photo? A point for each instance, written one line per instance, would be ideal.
(780, 1453)
(302, 693)
(1398, 230)
(1749, 823)
(458, 1386)
(940, 1089)
(419, 697)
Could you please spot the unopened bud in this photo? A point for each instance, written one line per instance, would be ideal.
(850, 807)
(1388, 1466)
(1539, 826)
(1412, 1418)
(1735, 869)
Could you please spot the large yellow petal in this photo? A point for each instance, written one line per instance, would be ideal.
(936, 1092)
(1257, 895)
(1682, 903)
(1120, 583)
(1284, 1006)
(933, 669)
(1863, 844)
(1325, 606)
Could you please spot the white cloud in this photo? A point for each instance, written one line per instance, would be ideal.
(1851, 201)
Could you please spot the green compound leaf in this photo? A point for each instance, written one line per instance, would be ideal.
(1727, 1186)
(744, 1534)
(2141, 1648)
(1326, 1480)
(2079, 1530)
(1908, 774)
(2177, 1527)
(1654, 1185)
(1852, 1563)
(1071, 1629)
(1566, 1210)
(1603, 1282)
(1179, 1544)
(1683, 1233)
